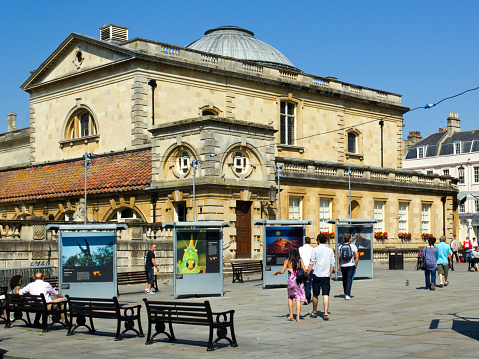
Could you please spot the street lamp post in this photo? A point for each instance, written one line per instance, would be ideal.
(279, 168)
(87, 163)
(195, 167)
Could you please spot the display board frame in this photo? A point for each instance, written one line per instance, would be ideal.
(362, 232)
(286, 228)
(87, 259)
(197, 258)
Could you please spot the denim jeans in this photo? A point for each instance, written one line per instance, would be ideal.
(347, 273)
(468, 255)
(430, 277)
(307, 287)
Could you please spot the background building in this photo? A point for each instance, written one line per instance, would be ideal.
(225, 111)
(452, 152)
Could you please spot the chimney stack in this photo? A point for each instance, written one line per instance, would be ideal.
(453, 123)
(414, 137)
(12, 122)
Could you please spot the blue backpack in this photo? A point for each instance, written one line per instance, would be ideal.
(346, 253)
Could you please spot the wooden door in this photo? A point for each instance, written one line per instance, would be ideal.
(243, 229)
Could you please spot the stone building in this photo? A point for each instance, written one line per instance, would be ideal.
(452, 152)
(224, 112)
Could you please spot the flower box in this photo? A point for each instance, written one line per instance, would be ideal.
(381, 235)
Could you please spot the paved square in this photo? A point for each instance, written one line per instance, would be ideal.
(384, 319)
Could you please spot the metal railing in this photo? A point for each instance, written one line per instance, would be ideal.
(27, 273)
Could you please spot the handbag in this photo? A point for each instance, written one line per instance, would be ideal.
(423, 262)
(301, 275)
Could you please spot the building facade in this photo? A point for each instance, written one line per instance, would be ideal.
(226, 113)
(452, 152)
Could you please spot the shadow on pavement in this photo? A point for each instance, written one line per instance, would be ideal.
(467, 327)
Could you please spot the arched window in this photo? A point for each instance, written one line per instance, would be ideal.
(208, 113)
(287, 122)
(81, 124)
(352, 142)
(122, 214)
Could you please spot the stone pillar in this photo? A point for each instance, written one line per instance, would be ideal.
(12, 122)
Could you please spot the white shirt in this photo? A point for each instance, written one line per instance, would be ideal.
(305, 253)
(474, 243)
(322, 259)
(38, 287)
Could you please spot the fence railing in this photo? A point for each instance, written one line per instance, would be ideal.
(27, 273)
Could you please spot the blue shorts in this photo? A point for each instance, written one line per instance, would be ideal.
(150, 276)
(321, 284)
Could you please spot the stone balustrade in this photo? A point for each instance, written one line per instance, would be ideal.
(329, 84)
(337, 172)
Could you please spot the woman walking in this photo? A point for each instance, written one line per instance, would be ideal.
(348, 257)
(430, 255)
(295, 289)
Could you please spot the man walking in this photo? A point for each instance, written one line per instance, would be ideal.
(150, 273)
(444, 258)
(305, 253)
(348, 258)
(454, 247)
(322, 263)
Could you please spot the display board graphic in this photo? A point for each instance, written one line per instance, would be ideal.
(87, 258)
(279, 241)
(197, 251)
(362, 237)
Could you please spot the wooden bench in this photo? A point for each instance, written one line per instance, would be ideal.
(34, 304)
(246, 267)
(161, 313)
(134, 278)
(103, 308)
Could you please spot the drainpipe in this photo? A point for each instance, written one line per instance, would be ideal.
(153, 85)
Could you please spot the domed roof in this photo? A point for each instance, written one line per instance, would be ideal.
(239, 43)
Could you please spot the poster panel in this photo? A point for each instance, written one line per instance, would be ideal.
(279, 241)
(197, 251)
(87, 258)
(198, 261)
(362, 237)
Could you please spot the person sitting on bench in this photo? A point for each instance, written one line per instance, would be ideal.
(39, 286)
(475, 257)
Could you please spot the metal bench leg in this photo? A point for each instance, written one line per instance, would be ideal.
(233, 337)
(118, 336)
(210, 341)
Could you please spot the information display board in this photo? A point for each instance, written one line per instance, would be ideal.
(362, 237)
(87, 265)
(198, 261)
(278, 241)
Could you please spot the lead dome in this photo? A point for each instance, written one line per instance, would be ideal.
(239, 43)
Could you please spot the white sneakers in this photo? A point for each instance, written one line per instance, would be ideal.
(347, 297)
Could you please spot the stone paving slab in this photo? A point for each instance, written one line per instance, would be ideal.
(384, 319)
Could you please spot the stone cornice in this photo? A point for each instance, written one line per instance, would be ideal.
(151, 51)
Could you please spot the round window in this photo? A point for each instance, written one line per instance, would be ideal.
(183, 162)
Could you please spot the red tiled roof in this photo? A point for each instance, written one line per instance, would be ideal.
(127, 171)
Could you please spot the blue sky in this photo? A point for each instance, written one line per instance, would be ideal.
(424, 50)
